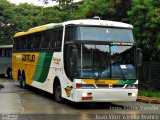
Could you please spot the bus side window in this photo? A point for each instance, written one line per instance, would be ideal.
(3, 52)
(29, 43)
(35, 41)
(70, 33)
(59, 39)
(6, 53)
(24, 43)
(48, 38)
(53, 39)
(32, 39)
(20, 43)
(0, 52)
(10, 52)
(56, 39)
(17, 42)
(40, 41)
(44, 40)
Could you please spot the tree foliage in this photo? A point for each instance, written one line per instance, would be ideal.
(144, 15)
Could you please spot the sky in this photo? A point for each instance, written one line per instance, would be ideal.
(36, 2)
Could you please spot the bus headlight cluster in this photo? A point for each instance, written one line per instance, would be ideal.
(78, 85)
(84, 94)
(87, 96)
(133, 86)
(132, 94)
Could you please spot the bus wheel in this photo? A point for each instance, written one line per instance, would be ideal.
(9, 74)
(22, 82)
(57, 93)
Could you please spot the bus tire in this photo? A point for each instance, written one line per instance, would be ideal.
(22, 82)
(57, 93)
(9, 73)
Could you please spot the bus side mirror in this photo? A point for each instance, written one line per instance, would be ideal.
(75, 55)
(73, 61)
(139, 56)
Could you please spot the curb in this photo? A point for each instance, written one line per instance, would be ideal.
(148, 99)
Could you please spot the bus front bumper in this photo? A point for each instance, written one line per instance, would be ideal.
(105, 95)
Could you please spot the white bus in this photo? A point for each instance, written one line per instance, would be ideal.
(5, 60)
(79, 60)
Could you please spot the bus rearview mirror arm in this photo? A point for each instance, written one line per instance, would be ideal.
(74, 62)
(139, 56)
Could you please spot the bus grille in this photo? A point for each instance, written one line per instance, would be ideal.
(118, 86)
(102, 86)
(109, 86)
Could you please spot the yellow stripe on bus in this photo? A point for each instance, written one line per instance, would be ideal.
(92, 81)
(30, 31)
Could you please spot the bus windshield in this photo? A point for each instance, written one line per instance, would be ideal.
(106, 62)
(89, 33)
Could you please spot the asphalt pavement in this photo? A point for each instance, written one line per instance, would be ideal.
(32, 104)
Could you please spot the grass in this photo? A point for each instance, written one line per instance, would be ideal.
(149, 93)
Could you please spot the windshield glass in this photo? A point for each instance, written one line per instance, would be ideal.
(90, 33)
(105, 62)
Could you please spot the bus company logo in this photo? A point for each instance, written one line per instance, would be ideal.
(68, 90)
(28, 58)
(100, 82)
(121, 43)
(56, 60)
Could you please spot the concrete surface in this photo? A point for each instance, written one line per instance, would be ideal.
(32, 104)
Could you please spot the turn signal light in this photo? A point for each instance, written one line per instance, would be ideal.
(78, 85)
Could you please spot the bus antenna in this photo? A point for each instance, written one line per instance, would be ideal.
(97, 18)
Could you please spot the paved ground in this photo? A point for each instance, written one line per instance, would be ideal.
(31, 104)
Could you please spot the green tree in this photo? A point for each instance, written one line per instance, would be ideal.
(89, 9)
(117, 10)
(28, 16)
(145, 17)
(106, 9)
(50, 15)
(6, 23)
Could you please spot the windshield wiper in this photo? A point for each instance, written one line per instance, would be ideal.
(120, 69)
(98, 75)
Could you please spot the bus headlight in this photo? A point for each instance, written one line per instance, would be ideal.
(133, 86)
(132, 94)
(78, 85)
(87, 96)
(84, 94)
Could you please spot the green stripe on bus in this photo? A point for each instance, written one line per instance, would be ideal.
(54, 26)
(120, 82)
(43, 66)
(39, 66)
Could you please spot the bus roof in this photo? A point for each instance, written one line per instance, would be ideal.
(89, 22)
(94, 22)
(6, 46)
(39, 28)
